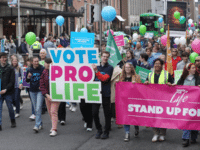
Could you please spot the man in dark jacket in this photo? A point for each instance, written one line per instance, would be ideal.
(33, 76)
(103, 73)
(7, 76)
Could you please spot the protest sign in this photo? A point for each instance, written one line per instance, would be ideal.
(143, 73)
(148, 35)
(71, 75)
(119, 40)
(177, 75)
(156, 105)
(24, 83)
(79, 40)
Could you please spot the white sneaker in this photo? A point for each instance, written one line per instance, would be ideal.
(161, 138)
(73, 109)
(70, 108)
(40, 127)
(53, 133)
(32, 117)
(67, 105)
(112, 119)
(155, 138)
(51, 130)
(17, 115)
(62, 122)
(89, 129)
(85, 125)
(14, 108)
(21, 106)
(36, 129)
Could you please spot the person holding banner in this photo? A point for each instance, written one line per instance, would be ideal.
(52, 107)
(189, 77)
(159, 76)
(103, 73)
(129, 75)
(33, 76)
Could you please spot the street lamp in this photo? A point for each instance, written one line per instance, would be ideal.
(19, 25)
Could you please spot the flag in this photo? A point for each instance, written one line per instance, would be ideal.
(111, 47)
(169, 55)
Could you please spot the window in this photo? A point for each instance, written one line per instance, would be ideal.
(188, 9)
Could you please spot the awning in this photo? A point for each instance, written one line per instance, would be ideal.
(120, 18)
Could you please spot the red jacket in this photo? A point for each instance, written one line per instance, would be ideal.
(44, 82)
(174, 63)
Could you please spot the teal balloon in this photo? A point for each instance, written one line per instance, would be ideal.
(162, 30)
(177, 15)
(30, 38)
(60, 20)
(182, 20)
(193, 56)
(84, 30)
(143, 29)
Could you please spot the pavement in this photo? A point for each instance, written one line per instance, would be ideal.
(73, 136)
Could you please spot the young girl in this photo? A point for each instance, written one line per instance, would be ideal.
(18, 84)
(189, 77)
(129, 75)
(51, 106)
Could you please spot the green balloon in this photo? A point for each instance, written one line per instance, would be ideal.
(173, 0)
(177, 15)
(195, 24)
(193, 56)
(143, 29)
(162, 30)
(182, 21)
(30, 38)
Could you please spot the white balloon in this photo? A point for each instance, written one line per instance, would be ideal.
(190, 21)
(190, 32)
(177, 41)
(135, 36)
(182, 40)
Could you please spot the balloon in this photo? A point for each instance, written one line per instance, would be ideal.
(162, 30)
(135, 36)
(177, 15)
(196, 46)
(192, 25)
(193, 56)
(177, 41)
(199, 23)
(164, 40)
(189, 28)
(126, 40)
(84, 30)
(108, 13)
(189, 25)
(190, 21)
(182, 20)
(142, 29)
(30, 38)
(190, 32)
(112, 32)
(195, 24)
(173, 0)
(60, 20)
(160, 20)
(182, 40)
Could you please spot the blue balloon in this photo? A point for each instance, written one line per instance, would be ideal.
(60, 20)
(189, 25)
(108, 13)
(160, 20)
(84, 30)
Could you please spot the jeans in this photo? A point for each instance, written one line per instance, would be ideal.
(8, 99)
(33, 111)
(127, 128)
(187, 133)
(16, 99)
(107, 114)
(37, 100)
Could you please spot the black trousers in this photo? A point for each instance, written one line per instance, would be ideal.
(62, 111)
(86, 111)
(107, 114)
(113, 113)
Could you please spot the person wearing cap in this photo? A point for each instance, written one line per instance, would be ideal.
(36, 46)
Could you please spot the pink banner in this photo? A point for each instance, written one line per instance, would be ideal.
(157, 105)
(119, 40)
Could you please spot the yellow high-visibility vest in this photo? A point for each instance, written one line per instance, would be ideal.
(163, 79)
(36, 45)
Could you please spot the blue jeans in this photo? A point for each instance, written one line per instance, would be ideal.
(33, 111)
(127, 128)
(37, 100)
(187, 133)
(8, 99)
(16, 99)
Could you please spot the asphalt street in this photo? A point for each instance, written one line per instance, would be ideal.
(73, 136)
